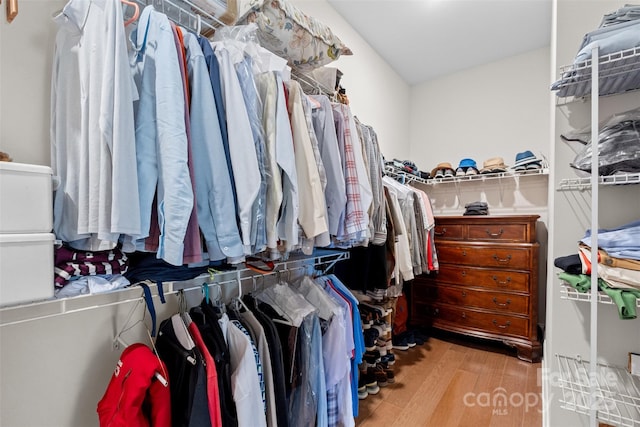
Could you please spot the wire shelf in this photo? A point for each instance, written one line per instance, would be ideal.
(569, 293)
(571, 184)
(38, 310)
(186, 13)
(467, 178)
(405, 176)
(617, 392)
(618, 72)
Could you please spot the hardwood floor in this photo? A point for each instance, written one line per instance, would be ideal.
(451, 383)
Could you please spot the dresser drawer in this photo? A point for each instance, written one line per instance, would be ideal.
(510, 281)
(498, 232)
(472, 298)
(449, 232)
(494, 323)
(514, 257)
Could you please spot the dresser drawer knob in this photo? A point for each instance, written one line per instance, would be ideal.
(464, 294)
(436, 311)
(498, 234)
(440, 233)
(501, 304)
(505, 260)
(502, 283)
(505, 326)
(464, 252)
(464, 315)
(463, 272)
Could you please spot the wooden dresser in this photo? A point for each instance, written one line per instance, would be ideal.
(487, 285)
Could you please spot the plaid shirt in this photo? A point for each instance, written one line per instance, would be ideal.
(355, 221)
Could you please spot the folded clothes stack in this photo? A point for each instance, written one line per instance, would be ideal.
(476, 208)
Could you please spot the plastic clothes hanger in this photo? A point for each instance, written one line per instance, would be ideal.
(136, 11)
(238, 303)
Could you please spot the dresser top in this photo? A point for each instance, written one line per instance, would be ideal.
(484, 218)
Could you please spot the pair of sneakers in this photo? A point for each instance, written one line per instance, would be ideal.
(468, 171)
(408, 339)
(444, 173)
(367, 384)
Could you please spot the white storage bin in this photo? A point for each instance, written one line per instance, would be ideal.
(26, 267)
(26, 200)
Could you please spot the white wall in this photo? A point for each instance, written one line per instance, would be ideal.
(568, 321)
(494, 110)
(26, 52)
(377, 94)
(497, 109)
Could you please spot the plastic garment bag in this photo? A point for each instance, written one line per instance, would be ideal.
(618, 145)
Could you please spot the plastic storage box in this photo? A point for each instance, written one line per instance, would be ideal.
(26, 200)
(26, 267)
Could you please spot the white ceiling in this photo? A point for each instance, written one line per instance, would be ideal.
(424, 39)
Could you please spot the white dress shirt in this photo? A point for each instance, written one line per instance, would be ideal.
(244, 159)
(92, 128)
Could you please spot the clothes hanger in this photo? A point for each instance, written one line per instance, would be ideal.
(136, 11)
(238, 303)
(118, 341)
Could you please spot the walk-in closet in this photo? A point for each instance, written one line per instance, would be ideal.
(330, 213)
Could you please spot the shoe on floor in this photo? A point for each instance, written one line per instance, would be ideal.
(400, 343)
(369, 380)
(362, 392)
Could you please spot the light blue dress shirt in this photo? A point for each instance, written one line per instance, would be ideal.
(214, 194)
(161, 140)
(620, 242)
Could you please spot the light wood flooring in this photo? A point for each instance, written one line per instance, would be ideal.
(452, 383)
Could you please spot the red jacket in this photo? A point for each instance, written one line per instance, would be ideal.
(134, 396)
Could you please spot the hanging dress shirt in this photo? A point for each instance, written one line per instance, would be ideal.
(213, 187)
(312, 218)
(356, 220)
(377, 221)
(323, 239)
(404, 265)
(192, 249)
(161, 141)
(254, 111)
(242, 150)
(366, 194)
(290, 210)
(92, 129)
(214, 76)
(335, 193)
(266, 85)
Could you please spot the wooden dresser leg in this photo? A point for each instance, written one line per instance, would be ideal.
(528, 352)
